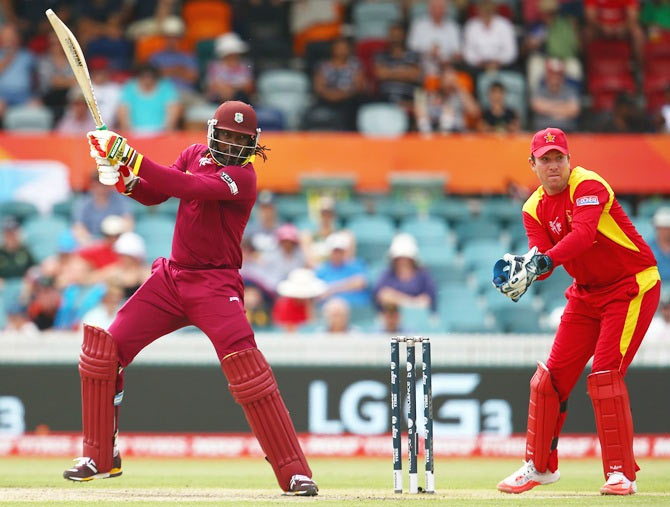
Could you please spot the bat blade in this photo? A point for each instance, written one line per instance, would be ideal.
(75, 56)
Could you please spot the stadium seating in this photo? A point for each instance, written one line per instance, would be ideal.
(373, 236)
(42, 233)
(647, 208)
(290, 207)
(453, 209)
(372, 19)
(477, 228)
(420, 320)
(21, 210)
(503, 211)
(478, 252)
(426, 230)
(10, 293)
(382, 120)
(157, 234)
(523, 318)
(286, 90)
(460, 311)
(28, 118)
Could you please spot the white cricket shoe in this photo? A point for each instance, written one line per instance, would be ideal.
(527, 477)
(618, 484)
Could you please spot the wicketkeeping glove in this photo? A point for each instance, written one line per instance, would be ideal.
(513, 274)
(112, 146)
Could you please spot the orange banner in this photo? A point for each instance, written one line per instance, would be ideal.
(470, 163)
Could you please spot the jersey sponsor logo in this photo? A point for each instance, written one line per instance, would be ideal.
(230, 182)
(204, 161)
(587, 200)
(555, 225)
(234, 298)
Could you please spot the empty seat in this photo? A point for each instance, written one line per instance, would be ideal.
(460, 311)
(21, 210)
(42, 234)
(454, 209)
(648, 207)
(373, 236)
(427, 230)
(479, 228)
(29, 118)
(479, 252)
(503, 211)
(286, 90)
(523, 318)
(373, 19)
(290, 207)
(419, 320)
(157, 233)
(382, 120)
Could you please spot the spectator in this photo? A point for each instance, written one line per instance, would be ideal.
(660, 245)
(149, 104)
(389, 320)
(44, 302)
(16, 70)
(149, 17)
(101, 253)
(397, 70)
(498, 117)
(89, 212)
(262, 232)
(614, 19)
(404, 283)
(339, 83)
(15, 258)
(173, 62)
(130, 270)
(77, 119)
(107, 92)
(659, 328)
(295, 305)
(258, 304)
(109, 42)
(287, 256)
(552, 36)
(663, 116)
(449, 109)
(103, 314)
(555, 102)
(55, 78)
(336, 316)
(436, 34)
(230, 77)
(314, 242)
(254, 268)
(345, 276)
(489, 42)
(18, 321)
(626, 117)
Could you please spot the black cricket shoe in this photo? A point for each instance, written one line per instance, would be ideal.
(301, 485)
(86, 470)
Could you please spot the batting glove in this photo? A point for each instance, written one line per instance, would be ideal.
(114, 174)
(112, 146)
(514, 274)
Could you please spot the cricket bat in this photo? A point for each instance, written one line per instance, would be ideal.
(75, 57)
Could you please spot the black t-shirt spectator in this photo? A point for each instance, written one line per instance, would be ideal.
(499, 122)
(395, 90)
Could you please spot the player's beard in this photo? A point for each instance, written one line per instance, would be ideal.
(225, 153)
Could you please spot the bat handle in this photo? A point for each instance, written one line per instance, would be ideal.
(101, 127)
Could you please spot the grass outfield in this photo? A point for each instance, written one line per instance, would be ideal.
(364, 481)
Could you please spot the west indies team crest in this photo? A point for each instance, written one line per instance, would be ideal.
(239, 117)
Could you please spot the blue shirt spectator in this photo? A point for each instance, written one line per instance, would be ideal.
(88, 214)
(346, 277)
(16, 68)
(148, 104)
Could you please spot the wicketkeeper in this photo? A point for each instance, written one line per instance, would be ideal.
(573, 219)
(199, 285)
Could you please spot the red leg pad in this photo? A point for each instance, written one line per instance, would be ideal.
(254, 387)
(614, 421)
(543, 416)
(98, 369)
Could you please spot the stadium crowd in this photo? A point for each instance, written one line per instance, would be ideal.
(324, 265)
(428, 65)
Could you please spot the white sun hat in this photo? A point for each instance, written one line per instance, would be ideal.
(404, 245)
(301, 283)
(230, 44)
(132, 244)
(662, 217)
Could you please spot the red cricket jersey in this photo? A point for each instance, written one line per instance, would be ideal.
(215, 205)
(585, 229)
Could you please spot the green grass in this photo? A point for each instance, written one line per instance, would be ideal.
(361, 481)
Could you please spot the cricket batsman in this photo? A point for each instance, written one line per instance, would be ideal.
(199, 285)
(573, 219)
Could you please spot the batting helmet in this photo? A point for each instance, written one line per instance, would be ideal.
(233, 116)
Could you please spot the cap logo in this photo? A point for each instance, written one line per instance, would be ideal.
(239, 117)
(549, 137)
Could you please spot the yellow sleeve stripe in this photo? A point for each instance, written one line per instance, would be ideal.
(137, 164)
(530, 206)
(607, 226)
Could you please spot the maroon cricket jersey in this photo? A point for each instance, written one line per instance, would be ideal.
(215, 205)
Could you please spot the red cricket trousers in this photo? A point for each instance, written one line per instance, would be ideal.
(607, 323)
(174, 297)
